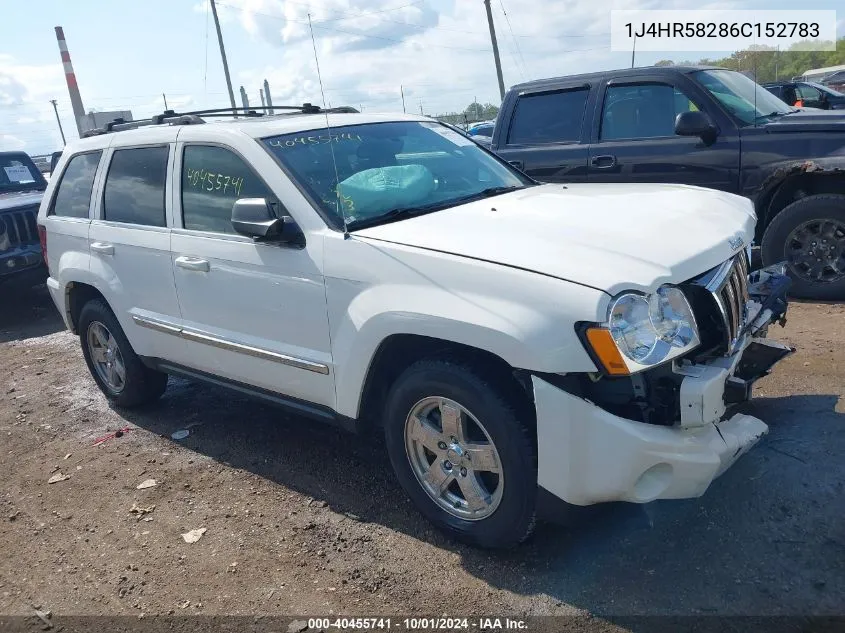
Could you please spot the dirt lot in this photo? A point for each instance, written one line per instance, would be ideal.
(301, 519)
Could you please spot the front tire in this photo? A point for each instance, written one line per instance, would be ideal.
(809, 235)
(114, 365)
(464, 452)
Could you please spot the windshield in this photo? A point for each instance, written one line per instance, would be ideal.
(19, 173)
(746, 100)
(379, 169)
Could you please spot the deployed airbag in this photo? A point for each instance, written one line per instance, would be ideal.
(374, 191)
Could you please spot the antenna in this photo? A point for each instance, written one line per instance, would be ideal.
(754, 60)
(339, 206)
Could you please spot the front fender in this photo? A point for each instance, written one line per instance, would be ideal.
(522, 317)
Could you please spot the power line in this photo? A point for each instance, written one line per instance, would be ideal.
(354, 33)
(465, 32)
(513, 37)
(343, 16)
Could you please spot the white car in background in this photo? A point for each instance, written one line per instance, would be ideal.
(515, 342)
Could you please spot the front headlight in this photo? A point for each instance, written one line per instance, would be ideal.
(645, 330)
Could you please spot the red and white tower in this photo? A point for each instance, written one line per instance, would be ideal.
(70, 76)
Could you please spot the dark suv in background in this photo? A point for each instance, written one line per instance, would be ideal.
(21, 188)
(807, 94)
(702, 126)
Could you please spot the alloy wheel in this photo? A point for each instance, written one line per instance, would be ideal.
(106, 357)
(453, 458)
(815, 250)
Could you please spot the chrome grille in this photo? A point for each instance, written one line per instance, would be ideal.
(19, 227)
(729, 287)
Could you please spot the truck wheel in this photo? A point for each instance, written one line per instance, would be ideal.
(116, 369)
(463, 453)
(809, 234)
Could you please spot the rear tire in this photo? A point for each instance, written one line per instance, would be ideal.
(114, 365)
(810, 235)
(479, 483)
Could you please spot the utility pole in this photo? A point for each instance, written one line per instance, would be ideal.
(477, 113)
(633, 51)
(421, 112)
(163, 96)
(59, 121)
(261, 94)
(223, 55)
(402, 90)
(495, 49)
(244, 98)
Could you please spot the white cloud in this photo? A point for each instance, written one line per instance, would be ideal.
(438, 50)
(25, 109)
(11, 143)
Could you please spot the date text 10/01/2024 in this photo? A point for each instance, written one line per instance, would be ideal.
(417, 624)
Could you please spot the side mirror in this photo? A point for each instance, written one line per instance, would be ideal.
(255, 218)
(695, 123)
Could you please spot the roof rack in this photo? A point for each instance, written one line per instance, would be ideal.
(171, 117)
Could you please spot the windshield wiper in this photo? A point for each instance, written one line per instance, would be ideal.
(396, 214)
(772, 115)
(404, 213)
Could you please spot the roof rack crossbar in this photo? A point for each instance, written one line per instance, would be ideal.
(194, 117)
(120, 125)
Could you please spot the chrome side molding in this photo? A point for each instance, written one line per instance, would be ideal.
(215, 341)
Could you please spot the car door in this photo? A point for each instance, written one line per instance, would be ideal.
(252, 313)
(634, 138)
(129, 242)
(545, 134)
(811, 97)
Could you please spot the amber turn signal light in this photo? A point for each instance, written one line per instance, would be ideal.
(606, 351)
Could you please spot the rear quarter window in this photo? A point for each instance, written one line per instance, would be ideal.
(134, 191)
(548, 117)
(73, 197)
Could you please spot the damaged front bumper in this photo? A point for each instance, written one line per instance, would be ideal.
(588, 455)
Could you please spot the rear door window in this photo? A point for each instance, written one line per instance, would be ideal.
(73, 197)
(134, 191)
(548, 117)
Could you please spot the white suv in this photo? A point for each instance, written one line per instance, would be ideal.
(517, 342)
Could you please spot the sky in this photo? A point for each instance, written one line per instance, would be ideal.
(126, 54)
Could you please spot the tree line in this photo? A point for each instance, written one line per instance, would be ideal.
(767, 64)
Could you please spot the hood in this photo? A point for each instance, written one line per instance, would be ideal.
(611, 237)
(809, 120)
(17, 199)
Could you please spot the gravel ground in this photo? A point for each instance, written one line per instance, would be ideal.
(302, 519)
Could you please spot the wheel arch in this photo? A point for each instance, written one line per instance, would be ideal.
(77, 294)
(397, 352)
(800, 181)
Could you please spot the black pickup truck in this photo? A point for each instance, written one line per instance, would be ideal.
(701, 126)
(21, 189)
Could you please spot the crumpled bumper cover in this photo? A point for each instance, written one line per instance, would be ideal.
(588, 455)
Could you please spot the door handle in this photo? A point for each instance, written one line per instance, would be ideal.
(193, 263)
(605, 161)
(517, 163)
(102, 248)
